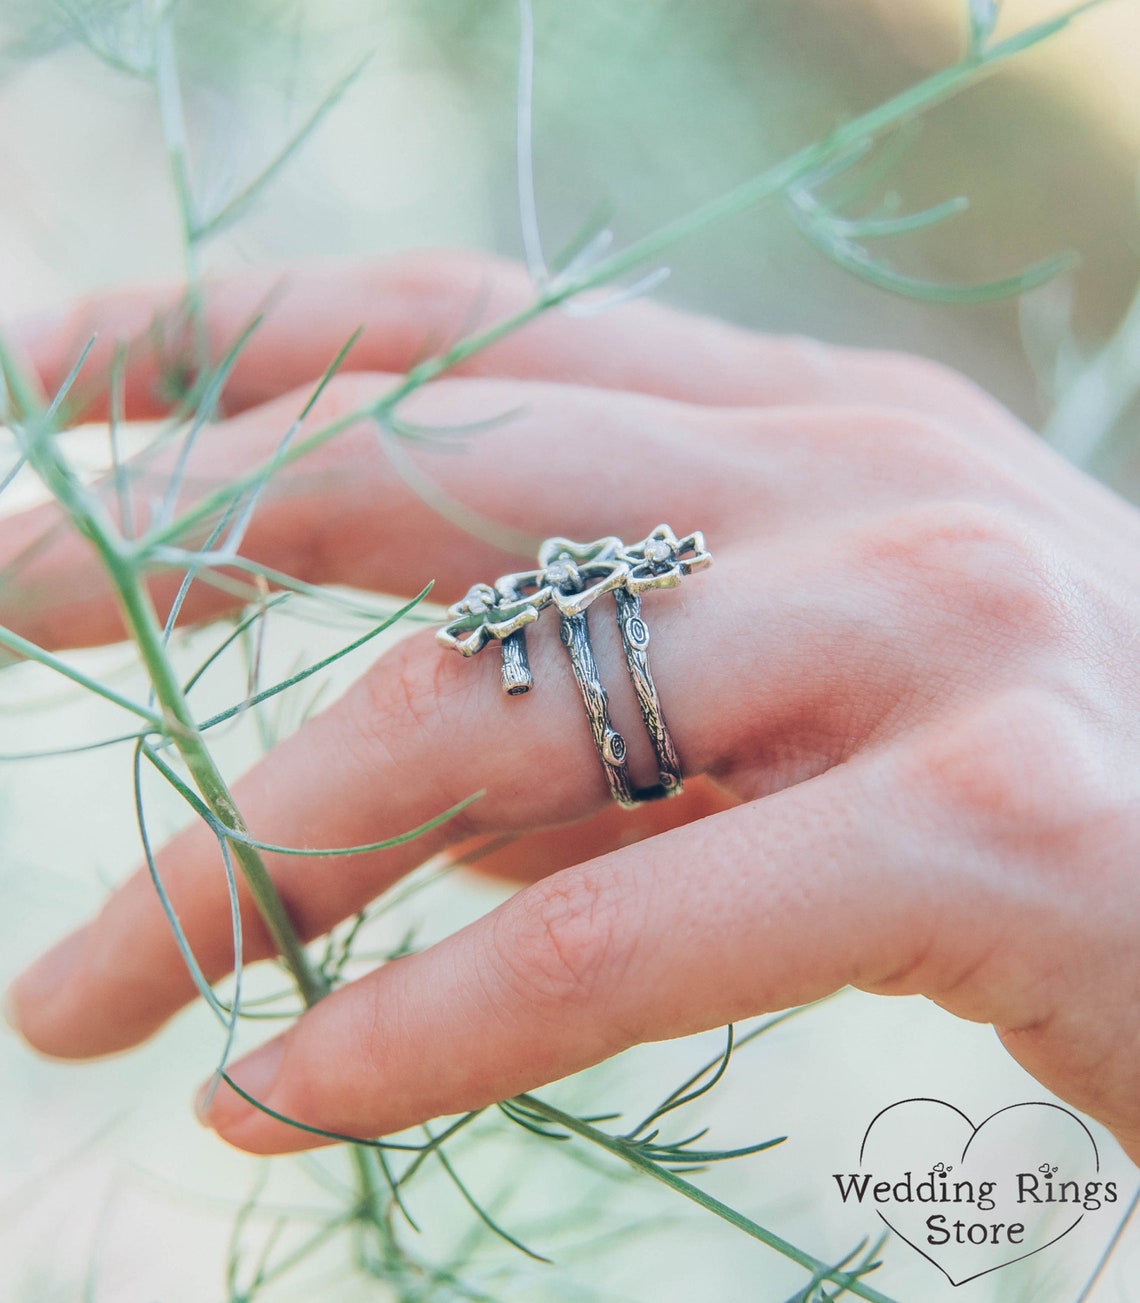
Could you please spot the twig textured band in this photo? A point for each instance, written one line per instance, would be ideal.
(571, 577)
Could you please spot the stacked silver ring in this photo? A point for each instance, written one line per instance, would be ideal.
(571, 577)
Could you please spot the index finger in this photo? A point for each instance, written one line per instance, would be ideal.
(415, 305)
(757, 908)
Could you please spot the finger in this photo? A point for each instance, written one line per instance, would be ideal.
(345, 512)
(416, 305)
(527, 858)
(424, 729)
(753, 909)
(561, 460)
(421, 733)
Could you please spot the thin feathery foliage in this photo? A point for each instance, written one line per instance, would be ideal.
(139, 527)
(1090, 395)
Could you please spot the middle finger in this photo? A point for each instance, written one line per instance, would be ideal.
(562, 459)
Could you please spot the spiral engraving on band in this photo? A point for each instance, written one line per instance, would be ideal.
(635, 642)
(613, 748)
(635, 630)
(575, 633)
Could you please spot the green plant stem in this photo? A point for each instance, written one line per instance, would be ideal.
(146, 631)
(769, 184)
(176, 720)
(908, 104)
(630, 1153)
(1093, 405)
(370, 1207)
(178, 723)
(168, 94)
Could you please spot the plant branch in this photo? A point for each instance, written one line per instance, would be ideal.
(631, 1154)
(769, 184)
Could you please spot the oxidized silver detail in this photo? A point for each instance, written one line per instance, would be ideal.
(575, 634)
(635, 642)
(571, 577)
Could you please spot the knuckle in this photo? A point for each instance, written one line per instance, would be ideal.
(1022, 766)
(928, 446)
(359, 1032)
(922, 385)
(823, 365)
(561, 943)
(941, 386)
(376, 1025)
(414, 683)
(811, 363)
(1091, 1061)
(403, 710)
(976, 562)
(892, 447)
(421, 684)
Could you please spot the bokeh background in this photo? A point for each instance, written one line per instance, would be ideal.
(108, 1191)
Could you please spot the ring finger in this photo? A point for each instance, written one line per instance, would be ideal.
(423, 729)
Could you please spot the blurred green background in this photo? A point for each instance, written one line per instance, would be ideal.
(642, 111)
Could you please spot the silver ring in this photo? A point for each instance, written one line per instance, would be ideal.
(571, 577)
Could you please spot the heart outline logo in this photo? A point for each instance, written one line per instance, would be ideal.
(971, 1150)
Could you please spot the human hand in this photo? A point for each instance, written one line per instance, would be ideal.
(907, 685)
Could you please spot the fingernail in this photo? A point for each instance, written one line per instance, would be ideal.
(219, 1107)
(43, 979)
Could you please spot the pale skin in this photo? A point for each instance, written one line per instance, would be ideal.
(906, 694)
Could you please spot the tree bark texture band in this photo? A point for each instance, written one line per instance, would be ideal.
(610, 743)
